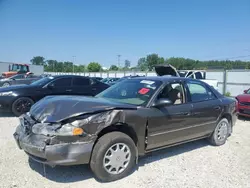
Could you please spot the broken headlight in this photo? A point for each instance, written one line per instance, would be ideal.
(69, 129)
(57, 129)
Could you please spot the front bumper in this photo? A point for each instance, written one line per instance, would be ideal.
(244, 110)
(39, 149)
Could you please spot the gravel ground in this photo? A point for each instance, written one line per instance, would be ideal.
(194, 164)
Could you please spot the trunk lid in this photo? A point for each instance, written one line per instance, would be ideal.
(166, 69)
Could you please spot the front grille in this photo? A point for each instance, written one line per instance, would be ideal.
(245, 112)
(245, 103)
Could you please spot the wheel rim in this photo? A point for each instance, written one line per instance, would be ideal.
(222, 131)
(6, 85)
(117, 158)
(23, 106)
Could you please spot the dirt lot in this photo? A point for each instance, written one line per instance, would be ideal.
(195, 164)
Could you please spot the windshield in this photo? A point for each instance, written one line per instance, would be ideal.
(248, 92)
(42, 81)
(131, 91)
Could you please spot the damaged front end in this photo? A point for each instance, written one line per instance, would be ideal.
(67, 142)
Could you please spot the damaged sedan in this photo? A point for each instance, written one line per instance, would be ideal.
(128, 120)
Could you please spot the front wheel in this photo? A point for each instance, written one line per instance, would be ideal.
(6, 84)
(113, 156)
(22, 105)
(220, 133)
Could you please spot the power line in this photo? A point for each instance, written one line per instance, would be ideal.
(235, 57)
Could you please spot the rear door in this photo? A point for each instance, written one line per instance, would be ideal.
(82, 86)
(206, 107)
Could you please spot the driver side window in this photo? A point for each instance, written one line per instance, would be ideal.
(174, 92)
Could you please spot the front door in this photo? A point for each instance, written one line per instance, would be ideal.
(60, 86)
(170, 124)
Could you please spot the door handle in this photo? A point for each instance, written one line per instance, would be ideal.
(68, 90)
(93, 89)
(183, 114)
(217, 108)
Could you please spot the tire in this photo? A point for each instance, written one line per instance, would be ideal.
(102, 149)
(22, 105)
(6, 84)
(221, 133)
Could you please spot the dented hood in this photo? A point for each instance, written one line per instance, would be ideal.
(53, 109)
(166, 69)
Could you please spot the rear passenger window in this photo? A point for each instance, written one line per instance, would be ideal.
(81, 82)
(62, 82)
(199, 92)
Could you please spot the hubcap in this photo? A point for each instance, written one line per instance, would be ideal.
(117, 158)
(222, 131)
(6, 85)
(23, 106)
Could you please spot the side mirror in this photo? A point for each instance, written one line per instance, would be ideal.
(245, 91)
(162, 102)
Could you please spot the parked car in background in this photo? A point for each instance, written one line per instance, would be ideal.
(98, 78)
(19, 79)
(19, 99)
(244, 103)
(123, 78)
(168, 69)
(129, 119)
(109, 80)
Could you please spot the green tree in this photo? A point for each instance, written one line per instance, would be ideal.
(152, 60)
(79, 68)
(94, 67)
(127, 64)
(51, 66)
(68, 66)
(113, 68)
(38, 60)
(142, 65)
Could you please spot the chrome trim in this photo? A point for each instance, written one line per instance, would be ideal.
(180, 129)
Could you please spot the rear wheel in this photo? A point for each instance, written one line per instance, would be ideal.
(113, 156)
(220, 133)
(22, 105)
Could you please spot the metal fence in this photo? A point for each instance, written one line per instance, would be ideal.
(232, 81)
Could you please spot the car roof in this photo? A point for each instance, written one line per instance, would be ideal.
(161, 78)
(69, 76)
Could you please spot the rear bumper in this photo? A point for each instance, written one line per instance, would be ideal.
(38, 148)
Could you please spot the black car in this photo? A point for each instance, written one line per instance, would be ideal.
(98, 78)
(109, 80)
(123, 78)
(127, 120)
(18, 99)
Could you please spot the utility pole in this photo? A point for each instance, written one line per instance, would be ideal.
(74, 63)
(119, 56)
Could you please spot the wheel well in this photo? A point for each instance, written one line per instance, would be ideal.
(124, 128)
(228, 117)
